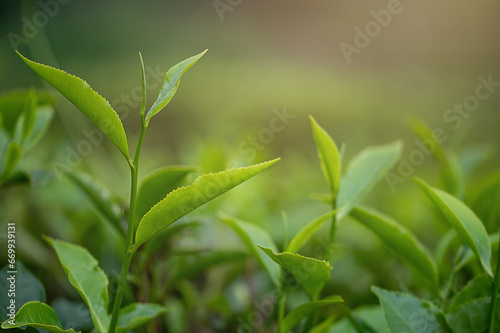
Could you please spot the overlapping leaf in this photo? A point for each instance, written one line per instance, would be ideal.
(307, 232)
(401, 242)
(137, 314)
(185, 199)
(468, 226)
(310, 272)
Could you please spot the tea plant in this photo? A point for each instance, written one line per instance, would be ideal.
(153, 207)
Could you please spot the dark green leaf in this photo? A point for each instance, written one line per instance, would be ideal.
(472, 316)
(478, 287)
(136, 315)
(12, 158)
(302, 311)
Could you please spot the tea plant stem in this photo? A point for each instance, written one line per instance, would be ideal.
(129, 252)
(281, 302)
(494, 294)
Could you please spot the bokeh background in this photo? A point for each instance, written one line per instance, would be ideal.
(264, 58)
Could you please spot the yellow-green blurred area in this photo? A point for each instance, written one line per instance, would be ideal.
(267, 60)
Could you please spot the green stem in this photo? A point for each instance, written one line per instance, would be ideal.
(129, 251)
(281, 302)
(494, 294)
(333, 231)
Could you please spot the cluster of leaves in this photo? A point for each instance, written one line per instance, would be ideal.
(24, 118)
(160, 199)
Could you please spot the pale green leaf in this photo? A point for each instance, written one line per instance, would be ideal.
(144, 91)
(468, 226)
(295, 316)
(401, 242)
(310, 272)
(38, 315)
(171, 83)
(363, 172)
(137, 314)
(329, 156)
(307, 231)
(185, 199)
(252, 235)
(157, 185)
(87, 278)
(43, 118)
(407, 313)
(101, 197)
(93, 105)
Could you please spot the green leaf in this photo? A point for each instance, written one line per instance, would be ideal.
(28, 288)
(157, 185)
(171, 83)
(252, 235)
(451, 173)
(13, 103)
(363, 172)
(93, 105)
(329, 156)
(29, 114)
(43, 118)
(407, 313)
(136, 315)
(302, 311)
(372, 315)
(401, 242)
(13, 156)
(307, 231)
(101, 197)
(39, 315)
(478, 287)
(185, 199)
(87, 278)
(484, 199)
(73, 314)
(472, 316)
(143, 99)
(468, 226)
(310, 272)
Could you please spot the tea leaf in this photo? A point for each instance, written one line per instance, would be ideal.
(100, 196)
(311, 273)
(252, 235)
(136, 315)
(363, 172)
(307, 231)
(468, 226)
(87, 278)
(478, 287)
(302, 311)
(43, 118)
(406, 313)
(157, 185)
(39, 315)
(329, 156)
(93, 105)
(472, 316)
(171, 83)
(401, 242)
(373, 315)
(185, 199)
(13, 156)
(28, 286)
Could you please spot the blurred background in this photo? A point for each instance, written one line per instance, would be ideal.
(362, 69)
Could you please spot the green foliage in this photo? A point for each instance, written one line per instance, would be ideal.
(401, 242)
(363, 172)
(310, 272)
(38, 315)
(307, 232)
(406, 313)
(93, 105)
(137, 314)
(468, 226)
